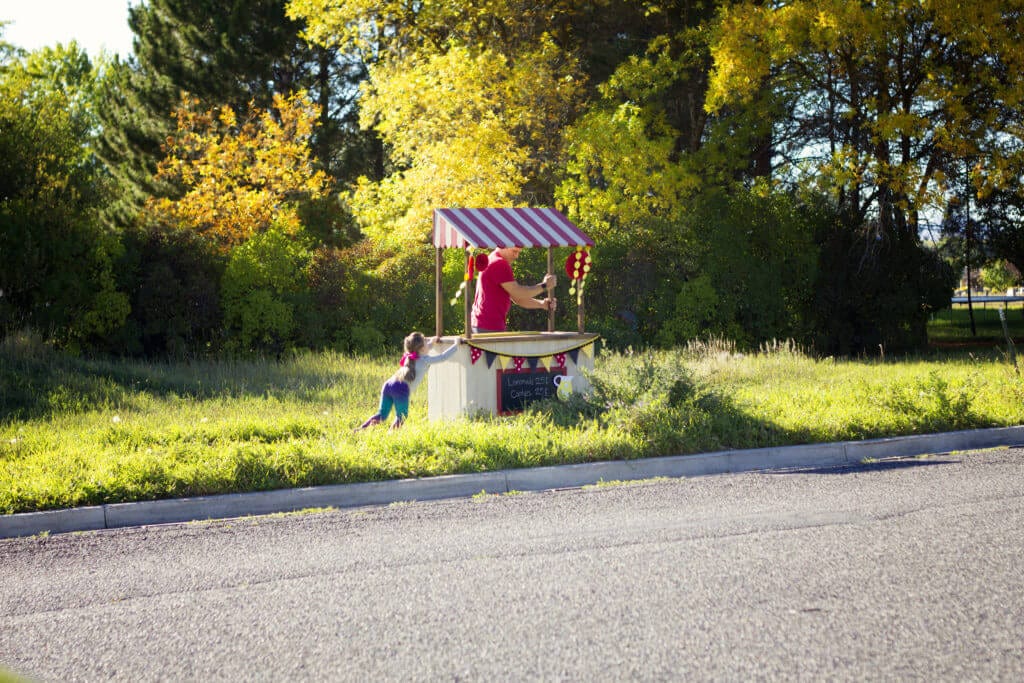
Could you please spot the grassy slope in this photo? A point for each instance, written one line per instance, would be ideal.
(75, 432)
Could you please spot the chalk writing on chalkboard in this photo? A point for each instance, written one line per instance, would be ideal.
(517, 389)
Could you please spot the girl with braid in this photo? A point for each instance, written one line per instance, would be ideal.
(411, 370)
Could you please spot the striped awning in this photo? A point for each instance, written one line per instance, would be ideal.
(491, 228)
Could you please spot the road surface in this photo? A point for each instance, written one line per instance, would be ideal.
(909, 569)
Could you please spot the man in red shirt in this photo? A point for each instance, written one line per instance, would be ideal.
(496, 289)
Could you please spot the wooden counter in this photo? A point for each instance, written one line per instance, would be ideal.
(499, 373)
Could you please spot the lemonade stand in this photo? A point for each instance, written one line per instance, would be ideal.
(502, 372)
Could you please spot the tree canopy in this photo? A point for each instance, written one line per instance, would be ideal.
(471, 100)
(239, 177)
(233, 54)
(57, 262)
(758, 169)
(879, 99)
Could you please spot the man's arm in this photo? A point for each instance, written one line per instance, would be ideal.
(524, 295)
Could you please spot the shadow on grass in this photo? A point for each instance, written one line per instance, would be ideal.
(670, 412)
(951, 329)
(680, 417)
(45, 384)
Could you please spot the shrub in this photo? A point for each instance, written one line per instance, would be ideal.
(57, 260)
(360, 299)
(753, 272)
(262, 284)
(172, 277)
(346, 301)
(697, 308)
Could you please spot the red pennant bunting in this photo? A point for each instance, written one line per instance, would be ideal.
(518, 363)
(560, 359)
(474, 354)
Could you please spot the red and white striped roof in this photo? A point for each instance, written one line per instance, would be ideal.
(487, 228)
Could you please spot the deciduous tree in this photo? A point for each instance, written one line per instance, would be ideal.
(470, 98)
(239, 176)
(880, 97)
(236, 54)
(57, 274)
(876, 105)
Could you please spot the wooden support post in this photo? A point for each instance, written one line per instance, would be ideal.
(579, 312)
(467, 305)
(438, 296)
(551, 293)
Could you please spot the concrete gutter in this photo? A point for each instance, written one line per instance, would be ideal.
(840, 454)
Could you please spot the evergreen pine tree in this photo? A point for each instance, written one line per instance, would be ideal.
(224, 52)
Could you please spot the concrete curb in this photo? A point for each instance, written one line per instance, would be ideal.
(533, 479)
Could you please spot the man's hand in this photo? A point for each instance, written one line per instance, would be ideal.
(550, 281)
(550, 303)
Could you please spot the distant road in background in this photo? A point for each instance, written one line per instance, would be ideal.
(987, 299)
(908, 569)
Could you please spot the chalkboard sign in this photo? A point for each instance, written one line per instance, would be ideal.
(516, 389)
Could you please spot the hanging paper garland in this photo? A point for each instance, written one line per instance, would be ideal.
(468, 275)
(548, 360)
(577, 267)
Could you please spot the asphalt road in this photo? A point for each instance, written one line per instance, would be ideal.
(905, 569)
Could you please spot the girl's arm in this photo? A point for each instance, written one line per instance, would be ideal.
(444, 355)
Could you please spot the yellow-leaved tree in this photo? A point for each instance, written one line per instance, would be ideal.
(629, 168)
(471, 100)
(883, 99)
(238, 177)
(465, 128)
(893, 109)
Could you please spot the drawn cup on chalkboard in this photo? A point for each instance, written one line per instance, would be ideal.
(563, 384)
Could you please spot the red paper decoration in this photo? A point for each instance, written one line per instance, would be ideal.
(477, 263)
(578, 264)
(481, 262)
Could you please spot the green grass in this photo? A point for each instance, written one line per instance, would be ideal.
(953, 325)
(77, 432)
